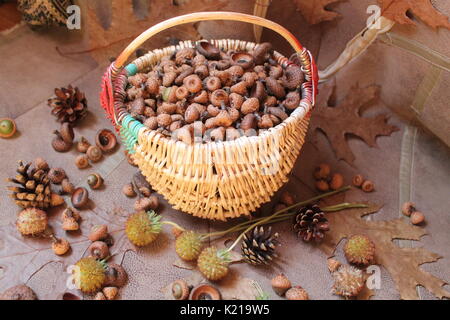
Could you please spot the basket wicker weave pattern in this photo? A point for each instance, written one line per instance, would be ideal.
(215, 180)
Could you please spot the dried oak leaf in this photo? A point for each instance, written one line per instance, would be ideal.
(397, 10)
(337, 122)
(314, 11)
(402, 263)
(125, 26)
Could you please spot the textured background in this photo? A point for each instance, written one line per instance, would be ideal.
(32, 67)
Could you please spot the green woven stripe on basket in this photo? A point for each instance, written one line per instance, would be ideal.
(129, 132)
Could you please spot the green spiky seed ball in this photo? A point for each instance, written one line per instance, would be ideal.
(213, 263)
(32, 222)
(89, 274)
(189, 245)
(359, 250)
(143, 228)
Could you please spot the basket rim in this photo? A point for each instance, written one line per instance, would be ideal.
(138, 65)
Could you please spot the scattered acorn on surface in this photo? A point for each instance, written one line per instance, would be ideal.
(297, 293)
(95, 181)
(80, 197)
(98, 232)
(7, 128)
(180, 290)
(19, 292)
(280, 284)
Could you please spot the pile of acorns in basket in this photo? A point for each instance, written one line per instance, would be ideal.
(206, 94)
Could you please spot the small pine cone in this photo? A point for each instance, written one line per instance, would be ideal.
(310, 223)
(32, 187)
(258, 246)
(68, 105)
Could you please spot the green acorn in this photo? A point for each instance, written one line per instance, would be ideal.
(359, 250)
(213, 263)
(143, 228)
(189, 245)
(89, 274)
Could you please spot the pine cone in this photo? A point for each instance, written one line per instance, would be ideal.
(310, 223)
(69, 104)
(33, 188)
(258, 246)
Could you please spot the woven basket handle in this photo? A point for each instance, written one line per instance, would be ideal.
(205, 16)
(306, 59)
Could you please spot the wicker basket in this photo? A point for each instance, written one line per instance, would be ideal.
(216, 180)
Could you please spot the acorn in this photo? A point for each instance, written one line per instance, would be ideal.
(357, 180)
(367, 186)
(180, 290)
(94, 181)
(242, 59)
(417, 217)
(322, 171)
(59, 144)
(208, 50)
(89, 274)
(297, 293)
(82, 161)
(98, 232)
(41, 164)
(144, 204)
(359, 250)
(143, 228)
(70, 224)
(205, 292)
(80, 197)
(106, 140)
(408, 208)
(7, 128)
(188, 245)
(67, 187)
(110, 292)
(213, 263)
(337, 181)
(56, 175)
(83, 145)
(261, 51)
(60, 246)
(67, 133)
(99, 250)
(128, 190)
(19, 292)
(94, 153)
(322, 185)
(32, 222)
(115, 275)
(280, 284)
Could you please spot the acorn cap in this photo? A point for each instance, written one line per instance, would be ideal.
(180, 290)
(205, 292)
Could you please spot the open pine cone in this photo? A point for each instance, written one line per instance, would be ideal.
(68, 105)
(310, 223)
(258, 246)
(33, 187)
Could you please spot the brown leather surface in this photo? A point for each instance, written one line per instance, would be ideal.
(31, 69)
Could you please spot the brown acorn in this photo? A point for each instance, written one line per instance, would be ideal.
(106, 140)
(281, 284)
(80, 197)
